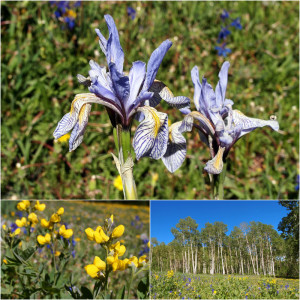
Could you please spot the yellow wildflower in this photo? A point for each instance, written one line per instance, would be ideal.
(111, 259)
(39, 207)
(42, 240)
(45, 223)
(5, 261)
(148, 244)
(33, 218)
(142, 260)
(12, 213)
(71, 13)
(118, 248)
(118, 183)
(23, 205)
(215, 292)
(61, 211)
(170, 274)
(118, 231)
(16, 232)
(77, 239)
(66, 233)
(154, 178)
(90, 233)
(57, 253)
(94, 269)
(55, 218)
(4, 226)
(22, 222)
(133, 260)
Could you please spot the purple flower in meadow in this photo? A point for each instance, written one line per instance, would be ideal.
(13, 227)
(224, 14)
(277, 292)
(287, 286)
(236, 23)
(222, 51)
(131, 12)
(223, 34)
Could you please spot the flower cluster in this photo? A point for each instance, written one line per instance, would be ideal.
(105, 236)
(224, 32)
(65, 12)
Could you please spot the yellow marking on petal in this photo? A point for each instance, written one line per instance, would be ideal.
(169, 91)
(81, 113)
(239, 112)
(219, 159)
(64, 138)
(156, 122)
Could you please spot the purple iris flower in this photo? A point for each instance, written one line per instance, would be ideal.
(220, 127)
(70, 22)
(223, 34)
(131, 12)
(224, 14)
(222, 51)
(236, 23)
(124, 96)
(13, 227)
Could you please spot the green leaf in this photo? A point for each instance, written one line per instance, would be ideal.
(121, 293)
(13, 261)
(143, 287)
(86, 293)
(26, 254)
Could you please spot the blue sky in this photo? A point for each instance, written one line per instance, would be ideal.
(166, 214)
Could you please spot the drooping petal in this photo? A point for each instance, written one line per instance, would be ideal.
(114, 50)
(86, 81)
(248, 124)
(205, 124)
(120, 83)
(176, 150)
(161, 91)
(197, 87)
(154, 63)
(80, 127)
(70, 119)
(137, 75)
(222, 85)
(102, 41)
(215, 165)
(151, 136)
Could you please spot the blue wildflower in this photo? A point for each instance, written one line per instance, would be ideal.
(131, 12)
(224, 14)
(236, 23)
(223, 34)
(13, 227)
(223, 51)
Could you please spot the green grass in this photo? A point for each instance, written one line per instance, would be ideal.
(40, 61)
(79, 216)
(199, 286)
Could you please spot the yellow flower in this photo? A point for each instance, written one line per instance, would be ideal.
(21, 206)
(100, 236)
(117, 248)
(77, 239)
(148, 244)
(57, 253)
(42, 240)
(64, 138)
(170, 274)
(4, 226)
(12, 213)
(66, 233)
(142, 260)
(112, 218)
(39, 206)
(55, 218)
(16, 232)
(118, 183)
(71, 13)
(118, 231)
(5, 261)
(45, 223)
(90, 233)
(133, 260)
(154, 178)
(94, 269)
(33, 218)
(111, 259)
(61, 211)
(215, 292)
(22, 222)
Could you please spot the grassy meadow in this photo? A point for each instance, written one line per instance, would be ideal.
(166, 285)
(78, 216)
(41, 57)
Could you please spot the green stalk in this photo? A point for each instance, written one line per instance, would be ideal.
(130, 283)
(218, 184)
(116, 139)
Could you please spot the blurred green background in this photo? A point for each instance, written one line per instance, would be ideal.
(40, 60)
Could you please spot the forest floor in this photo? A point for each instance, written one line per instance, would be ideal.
(169, 285)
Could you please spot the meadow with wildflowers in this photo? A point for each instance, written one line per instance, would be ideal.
(170, 285)
(74, 250)
(46, 44)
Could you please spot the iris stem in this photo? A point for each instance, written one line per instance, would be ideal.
(123, 143)
(218, 184)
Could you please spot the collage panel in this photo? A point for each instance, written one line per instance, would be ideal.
(74, 250)
(119, 100)
(224, 250)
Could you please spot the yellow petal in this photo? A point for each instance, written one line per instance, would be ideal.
(92, 270)
(61, 211)
(41, 240)
(99, 263)
(45, 223)
(33, 218)
(47, 238)
(118, 231)
(21, 206)
(67, 233)
(55, 218)
(122, 250)
(62, 229)
(90, 233)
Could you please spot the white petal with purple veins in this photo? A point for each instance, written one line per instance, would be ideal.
(151, 136)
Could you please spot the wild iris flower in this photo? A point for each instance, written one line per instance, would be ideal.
(220, 127)
(124, 97)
